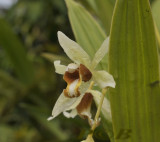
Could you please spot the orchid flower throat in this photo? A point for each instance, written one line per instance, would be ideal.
(74, 76)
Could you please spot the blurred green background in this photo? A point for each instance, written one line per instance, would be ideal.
(29, 87)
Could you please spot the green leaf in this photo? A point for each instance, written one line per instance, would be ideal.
(157, 35)
(156, 11)
(92, 4)
(101, 7)
(156, 16)
(105, 6)
(133, 61)
(86, 29)
(15, 52)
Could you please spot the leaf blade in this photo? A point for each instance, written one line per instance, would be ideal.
(133, 61)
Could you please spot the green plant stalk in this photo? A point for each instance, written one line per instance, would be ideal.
(133, 61)
(96, 119)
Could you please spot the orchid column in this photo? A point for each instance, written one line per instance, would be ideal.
(133, 62)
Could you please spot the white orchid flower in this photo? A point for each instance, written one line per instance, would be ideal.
(78, 76)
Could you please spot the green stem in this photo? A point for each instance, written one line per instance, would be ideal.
(99, 110)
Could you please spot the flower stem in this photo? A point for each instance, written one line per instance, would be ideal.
(96, 119)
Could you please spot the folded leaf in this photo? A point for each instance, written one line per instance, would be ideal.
(133, 61)
(156, 16)
(105, 6)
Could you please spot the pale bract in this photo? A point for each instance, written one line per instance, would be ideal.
(89, 139)
(77, 97)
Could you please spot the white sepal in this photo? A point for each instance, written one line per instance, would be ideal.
(60, 69)
(71, 114)
(100, 53)
(73, 50)
(62, 104)
(104, 79)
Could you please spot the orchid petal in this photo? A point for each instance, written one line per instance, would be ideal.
(104, 79)
(72, 67)
(71, 114)
(60, 69)
(63, 103)
(76, 103)
(84, 87)
(84, 107)
(106, 110)
(100, 53)
(73, 50)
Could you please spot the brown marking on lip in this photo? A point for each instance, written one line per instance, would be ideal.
(67, 95)
(84, 104)
(70, 77)
(85, 73)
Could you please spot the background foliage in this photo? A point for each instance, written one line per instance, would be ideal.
(28, 85)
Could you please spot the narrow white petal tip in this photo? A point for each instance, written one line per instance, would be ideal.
(104, 79)
(50, 118)
(59, 32)
(72, 67)
(60, 35)
(112, 85)
(66, 114)
(56, 62)
(108, 83)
